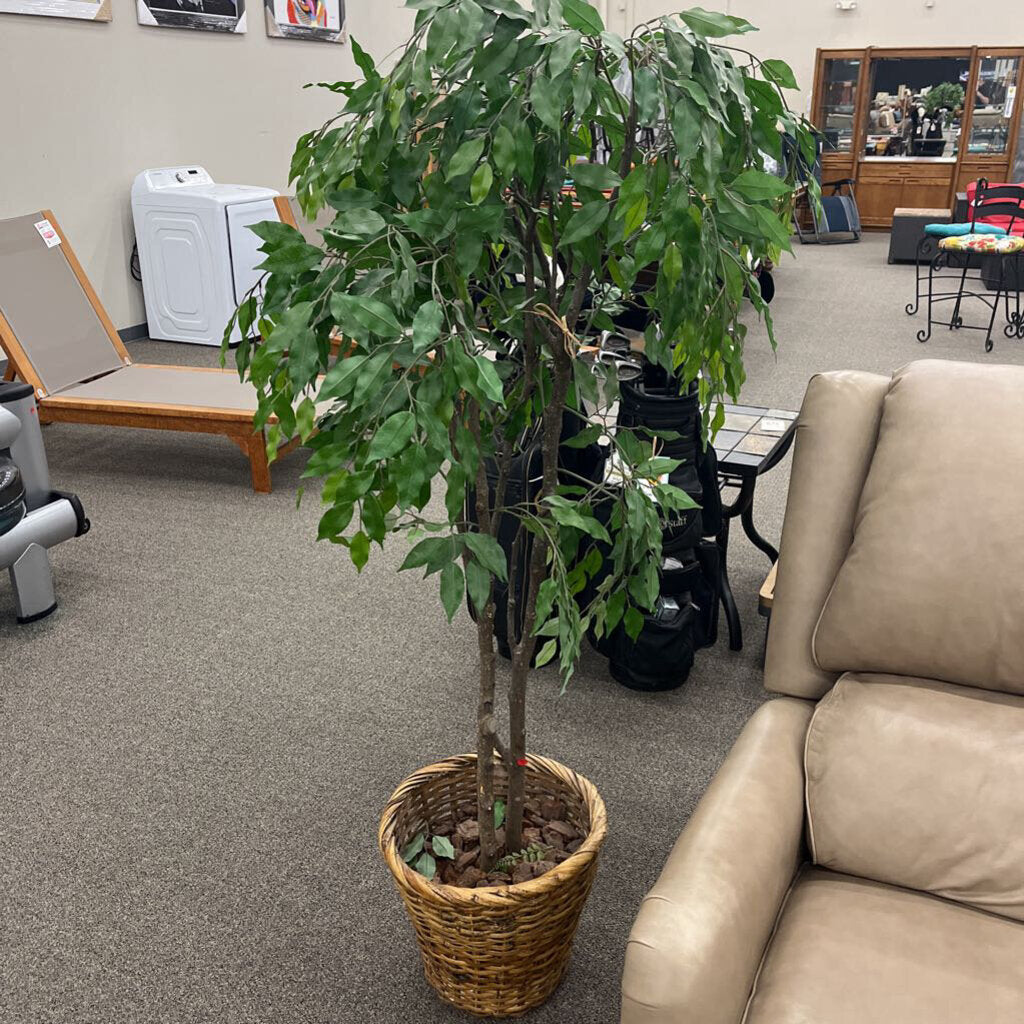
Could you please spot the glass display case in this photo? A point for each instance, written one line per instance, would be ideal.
(994, 102)
(914, 126)
(839, 102)
(915, 106)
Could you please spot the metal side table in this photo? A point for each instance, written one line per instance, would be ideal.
(752, 441)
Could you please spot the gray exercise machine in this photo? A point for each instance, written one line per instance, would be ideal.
(32, 517)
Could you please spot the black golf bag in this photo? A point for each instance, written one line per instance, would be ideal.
(685, 617)
(524, 482)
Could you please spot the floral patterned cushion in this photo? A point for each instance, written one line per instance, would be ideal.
(984, 243)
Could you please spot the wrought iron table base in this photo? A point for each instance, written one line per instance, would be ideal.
(742, 507)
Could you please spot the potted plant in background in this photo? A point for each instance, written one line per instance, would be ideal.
(463, 275)
(947, 96)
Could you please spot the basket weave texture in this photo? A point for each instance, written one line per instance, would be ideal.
(500, 951)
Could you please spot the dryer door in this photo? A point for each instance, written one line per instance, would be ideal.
(245, 254)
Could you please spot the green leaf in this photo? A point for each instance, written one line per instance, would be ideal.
(480, 185)
(756, 185)
(413, 847)
(465, 158)
(350, 198)
(434, 553)
(672, 265)
(634, 621)
(585, 222)
(294, 258)
(392, 436)
(488, 552)
(781, 73)
(359, 550)
(595, 176)
(636, 216)
(305, 418)
(647, 89)
(426, 865)
(334, 521)
(363, 60)
(478, 583)
(452, 588)
(546, 594)
(525, 153)
(615, 607)
(370, 313)
(359, 221)
(583, 88)
(566, 513)
(499, 813)
(341, 377)
(490, 382)
(563, 53)
(442, 847)
(582, 16)
(588, 435)
(633, 188)
(546, 653)
(426, 325)
(503, 151)
(685, 128)
(507, 7)
(546, 104)
(713, 25)
(276, 233)
(657, 466)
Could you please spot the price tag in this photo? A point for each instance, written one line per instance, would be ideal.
(47, 233)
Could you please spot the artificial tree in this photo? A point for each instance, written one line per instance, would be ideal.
(944, 96)
(442, 317)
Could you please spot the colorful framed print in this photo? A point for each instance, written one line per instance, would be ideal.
(322, 20)
(86, 10)
(205, 15)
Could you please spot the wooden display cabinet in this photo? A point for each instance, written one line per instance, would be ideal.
(862, 123)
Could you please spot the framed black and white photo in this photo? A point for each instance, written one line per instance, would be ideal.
(322, 20)
(205, 15)
(86, 10)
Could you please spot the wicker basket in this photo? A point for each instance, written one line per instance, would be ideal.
(500, 951)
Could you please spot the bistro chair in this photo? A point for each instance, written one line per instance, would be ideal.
(964, 247)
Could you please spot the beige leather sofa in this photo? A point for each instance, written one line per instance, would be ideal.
(859, 858)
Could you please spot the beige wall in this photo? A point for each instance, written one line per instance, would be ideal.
(793, 29)
(86, 106)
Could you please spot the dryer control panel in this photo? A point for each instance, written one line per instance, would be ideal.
(177, 177)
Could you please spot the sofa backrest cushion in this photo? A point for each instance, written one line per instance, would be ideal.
(920, 784)
(835, 443)
(933, 583)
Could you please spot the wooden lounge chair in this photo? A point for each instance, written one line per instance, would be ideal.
(59, 339)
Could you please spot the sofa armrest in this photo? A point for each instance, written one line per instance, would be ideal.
(701, 931)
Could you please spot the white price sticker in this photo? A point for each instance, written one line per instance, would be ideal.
(47, 233)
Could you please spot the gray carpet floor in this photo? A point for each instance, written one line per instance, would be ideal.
(195, 749)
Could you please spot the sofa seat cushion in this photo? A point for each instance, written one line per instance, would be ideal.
(851, 951)
(933, 583)
(920, 784)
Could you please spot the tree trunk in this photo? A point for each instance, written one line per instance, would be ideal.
(486, 736)
(522, 653)
(485, 741)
